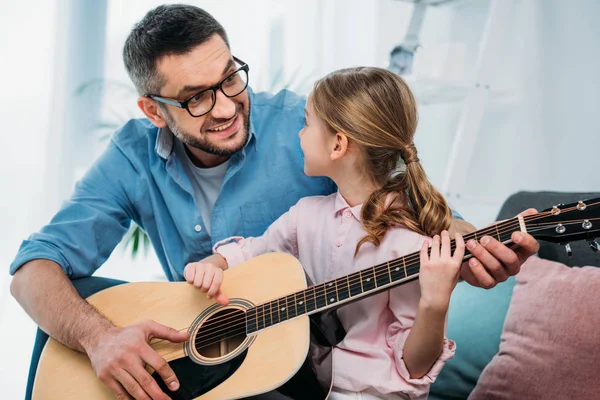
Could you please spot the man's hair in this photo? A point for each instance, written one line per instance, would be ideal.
(166, 30)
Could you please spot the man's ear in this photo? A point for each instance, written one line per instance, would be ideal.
(150, 108)
(339, 146)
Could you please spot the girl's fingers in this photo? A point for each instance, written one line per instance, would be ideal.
(459, 251)
(216, 283)
(435, 248)
(424, 256)
(198, 279)
(208, 280)
(445, 251)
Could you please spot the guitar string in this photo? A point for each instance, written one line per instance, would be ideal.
(240, 317)
(200, 338)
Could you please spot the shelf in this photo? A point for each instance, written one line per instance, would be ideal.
(439, 91)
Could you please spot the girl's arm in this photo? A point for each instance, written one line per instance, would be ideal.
(425, 341)
(281, 236)
(438, 276)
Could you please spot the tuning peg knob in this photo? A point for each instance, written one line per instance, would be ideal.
(568, 249)
(594, 245)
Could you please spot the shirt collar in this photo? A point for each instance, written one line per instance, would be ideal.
(341, 205)
(165, 138)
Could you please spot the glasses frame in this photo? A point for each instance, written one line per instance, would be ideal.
(184, 104)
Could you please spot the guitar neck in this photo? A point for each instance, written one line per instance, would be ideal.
(364, 283)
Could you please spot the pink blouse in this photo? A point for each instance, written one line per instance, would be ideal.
(322, 232)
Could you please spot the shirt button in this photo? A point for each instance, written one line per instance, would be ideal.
(338, 243)
(197, 228)
(347, 214)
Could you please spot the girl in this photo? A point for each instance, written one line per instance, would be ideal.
(359, 123)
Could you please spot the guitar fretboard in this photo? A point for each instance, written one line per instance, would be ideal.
(359, 284)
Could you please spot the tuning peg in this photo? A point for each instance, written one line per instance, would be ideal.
(594, 245)
(568, 249)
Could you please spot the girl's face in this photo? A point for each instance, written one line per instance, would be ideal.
(316, 143)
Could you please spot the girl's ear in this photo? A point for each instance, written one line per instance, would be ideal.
(150, 108)
(339, 146)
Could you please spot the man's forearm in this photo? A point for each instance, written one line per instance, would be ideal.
(460, 226)
(51, 300)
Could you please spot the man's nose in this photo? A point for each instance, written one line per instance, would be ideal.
(224, 107)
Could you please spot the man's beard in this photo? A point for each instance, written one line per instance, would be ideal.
(203, 142)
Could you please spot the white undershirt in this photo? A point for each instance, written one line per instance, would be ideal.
(206, 183)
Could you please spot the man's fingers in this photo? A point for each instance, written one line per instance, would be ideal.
(147, 383)
(156, 330)
(527, 245)
(131, 385)
(117, 389)
(490, 254)
(482, 276)
(160, 365)
(467, 275)
(529, 211)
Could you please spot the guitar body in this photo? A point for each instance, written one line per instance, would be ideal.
(275, 363)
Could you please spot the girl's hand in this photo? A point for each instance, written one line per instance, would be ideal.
(207, 277)
(440, 270)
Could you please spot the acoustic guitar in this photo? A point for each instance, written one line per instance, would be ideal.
(273, 340)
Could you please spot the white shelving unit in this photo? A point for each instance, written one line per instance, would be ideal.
(475, 92)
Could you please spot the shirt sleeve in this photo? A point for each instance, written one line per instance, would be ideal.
(404, 302)
(89, 225)
(280, 236)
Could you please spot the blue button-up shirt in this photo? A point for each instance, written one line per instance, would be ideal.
(140, 178)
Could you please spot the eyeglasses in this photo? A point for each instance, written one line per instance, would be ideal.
(202, 102)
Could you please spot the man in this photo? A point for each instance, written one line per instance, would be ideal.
(212, 160)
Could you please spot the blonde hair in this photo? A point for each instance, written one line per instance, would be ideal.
(376, 110)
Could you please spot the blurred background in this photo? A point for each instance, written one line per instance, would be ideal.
(508, 91)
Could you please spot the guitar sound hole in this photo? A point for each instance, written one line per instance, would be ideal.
(221, 333)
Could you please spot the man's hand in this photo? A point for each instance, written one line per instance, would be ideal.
(119, 357)
(494, 262)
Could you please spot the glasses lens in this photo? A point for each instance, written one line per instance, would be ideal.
(201, 103)
(235, 83)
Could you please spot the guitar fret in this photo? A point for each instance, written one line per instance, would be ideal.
(331, 296)
(368, 280)
(381, 277)
(362, 288)
(270, 321)
(343, 291)
(311, 300)
(281, 310)
(355, 288)
(321, 298)
(250, 323)
(498, 233)
(389, 272)
(289, 307)
(256, 316)
(301, 304)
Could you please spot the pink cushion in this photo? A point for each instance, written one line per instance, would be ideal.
(550, 343)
